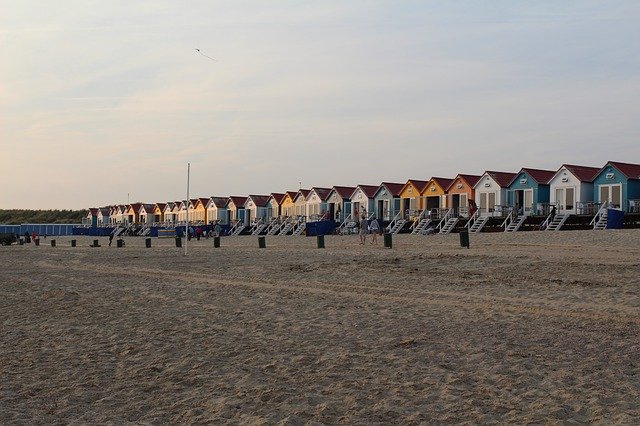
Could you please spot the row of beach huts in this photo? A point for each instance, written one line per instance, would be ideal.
(572, 196)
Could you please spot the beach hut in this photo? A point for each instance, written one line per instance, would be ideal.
(316, 203)
(339, 203)
(528, 192)
(300, 203)
(386, 200)
(434, 194)
(91, 218)
(132, 214)
(256, 208)
(145, 214)
(411, 202)
(362, 202)
(199, 214)
(491, 192)
(273, 205)
(118, 214)
(182, 210)
(217, 210)
(460, 192)
(169, 217)
(235, 209)
(158, 212)
(287, 208)
(618, 185)
(104, 213)
(571, 189)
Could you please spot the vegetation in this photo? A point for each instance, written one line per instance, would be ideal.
(17, 217)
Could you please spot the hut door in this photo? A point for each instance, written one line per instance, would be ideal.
(381, 209)
(612, 194)
(484, 202)
(492, 201)
(528, 201)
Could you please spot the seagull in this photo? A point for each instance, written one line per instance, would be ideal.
(200, 52)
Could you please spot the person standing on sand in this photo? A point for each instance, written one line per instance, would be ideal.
(363, 230)
(110, 239)
(375, 230)
(217, 229)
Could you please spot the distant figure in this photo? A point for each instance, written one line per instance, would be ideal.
(217, 229)
(110, 239)
(198, 233)
(363, 230)
(375, 230)
(552, 215)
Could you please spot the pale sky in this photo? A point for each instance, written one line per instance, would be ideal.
(100, 99)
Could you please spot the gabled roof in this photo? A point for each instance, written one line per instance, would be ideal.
(104, 211)
(135, 207)
(237, 200)
(393, 188)
(290, 194)
(93, 211)
(420, 185)
(203, 201)
(541, 177)
(583, 173)
(501, 178)
(219, 202)
(631, 171)
(368, 190)
(470, 179)
(323, 193)
(344, 191)
(278, 197)
(301, 192)
(259, 200)
(161, 206)
(444, 183)
(146, 207)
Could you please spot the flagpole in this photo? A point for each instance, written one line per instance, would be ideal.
(186, 226)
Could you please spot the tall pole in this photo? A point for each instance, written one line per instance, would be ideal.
(186, 226)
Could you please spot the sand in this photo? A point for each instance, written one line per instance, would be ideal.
(532, 327)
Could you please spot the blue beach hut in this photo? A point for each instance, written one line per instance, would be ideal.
(618, 184)
(529, 191)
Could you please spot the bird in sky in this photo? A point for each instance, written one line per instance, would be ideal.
(206, 56)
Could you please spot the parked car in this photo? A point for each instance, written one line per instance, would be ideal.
(7, 239)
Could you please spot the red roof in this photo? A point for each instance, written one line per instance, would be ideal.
(278, 197)
(393, 188)
(219, 202)
(502, 178)
(539, 176)
(238, 201)
(369, 190)
(291, 194)
(631, 171)
(147, 208)
(444, 183)
(135, 206)
(470, 179)
(104, 211)
(419, 184)
(260, 200)
(93, 211)
(344, 191)
(161, 206)
(323, 193)
(584, 173)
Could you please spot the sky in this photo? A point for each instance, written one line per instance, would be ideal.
(104, 102)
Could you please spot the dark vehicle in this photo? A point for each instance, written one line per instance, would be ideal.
(7, 239)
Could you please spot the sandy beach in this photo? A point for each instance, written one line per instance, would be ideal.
(531, 327)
